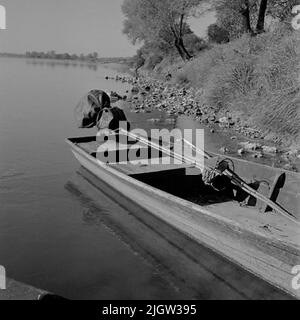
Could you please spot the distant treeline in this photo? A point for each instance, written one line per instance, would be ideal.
(62, 56)
(91, 57)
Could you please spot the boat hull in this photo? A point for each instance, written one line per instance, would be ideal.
(257, 253)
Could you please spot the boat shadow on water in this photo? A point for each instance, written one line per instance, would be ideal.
(192, 268)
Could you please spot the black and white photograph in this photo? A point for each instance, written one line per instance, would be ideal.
(149, 153)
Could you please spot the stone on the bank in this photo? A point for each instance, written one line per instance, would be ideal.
(224, 150)
(212, 118)
(250, 146)
(224, 120)
(171, 121)
(268, 149)
(241, 151)
(135, 90)
(258, 155)
(290, 167)
(292, 153)
(153, 120)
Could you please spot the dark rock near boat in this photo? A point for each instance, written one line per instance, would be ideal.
(224, 150)
(135, 90)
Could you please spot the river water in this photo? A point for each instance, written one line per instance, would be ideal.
(45, 239)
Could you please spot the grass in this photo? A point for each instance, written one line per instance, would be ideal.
(256, 77)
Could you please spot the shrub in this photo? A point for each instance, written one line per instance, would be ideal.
(217, 34)
(194, 44)
(153, 60)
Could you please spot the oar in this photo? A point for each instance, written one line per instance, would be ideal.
(227, 172)
(159, 147)
(203, 152)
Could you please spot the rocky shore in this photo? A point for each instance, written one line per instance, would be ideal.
(147, 95)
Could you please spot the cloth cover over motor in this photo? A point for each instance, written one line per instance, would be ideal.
(89, 107)
(110, 118)
(94, 110)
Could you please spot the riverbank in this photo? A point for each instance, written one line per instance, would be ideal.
(255, 79)
(249, 86)
(238, 138)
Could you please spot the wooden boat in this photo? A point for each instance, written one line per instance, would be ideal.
(266, 244)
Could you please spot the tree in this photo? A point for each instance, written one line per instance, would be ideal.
(162, 22)
(249, 16)
(217, 34)
(138, 61)
(281, 9)
(260, 27)
(235, 16)
(194, 44)
(245, 12)
(95, 55)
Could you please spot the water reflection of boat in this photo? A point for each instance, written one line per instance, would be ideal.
(176, 202)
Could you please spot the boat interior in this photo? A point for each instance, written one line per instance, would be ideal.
(159, 170)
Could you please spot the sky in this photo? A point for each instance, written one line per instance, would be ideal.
(73, 26)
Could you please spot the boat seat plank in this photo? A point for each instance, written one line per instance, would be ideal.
(142, 167)
(92, 146)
